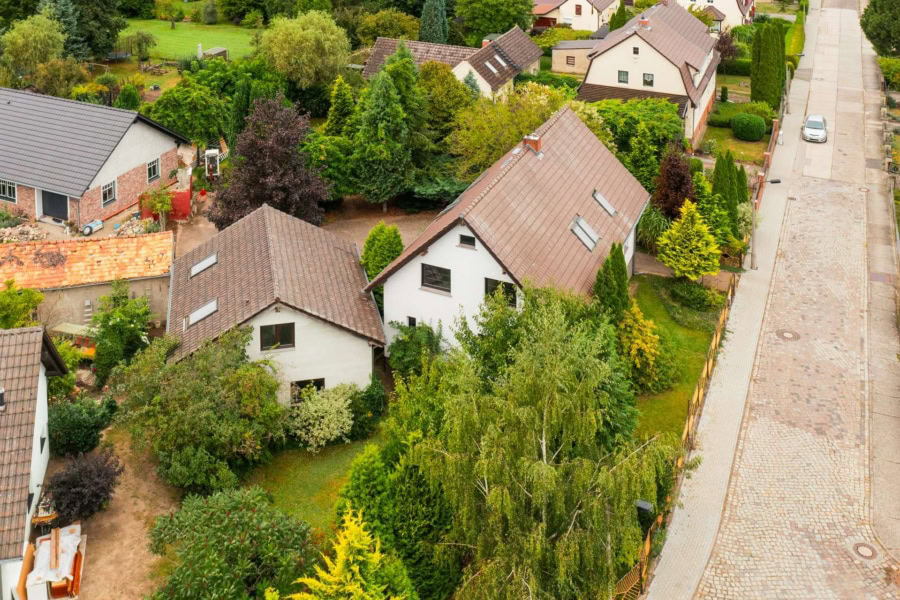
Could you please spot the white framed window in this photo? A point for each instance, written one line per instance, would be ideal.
(648, 79)
(7, 191)
(584, 232)
(203, 312)
(204, 264)
(623, 76)
(499, 60)
(108, 193)
(491, 67)
(602, 201)
(153, 170)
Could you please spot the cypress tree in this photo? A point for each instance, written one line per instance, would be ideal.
(712, 209)
(724, 184)
(619, 18)
(433, 26)
(755, 54)
(767, 66)
(240, 108)
(611, 285)
(341, 109)
(743, 186)
(688, 247)
(129, 98)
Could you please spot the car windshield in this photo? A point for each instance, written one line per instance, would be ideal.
(811, 124)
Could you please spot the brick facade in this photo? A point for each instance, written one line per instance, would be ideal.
(129, 187)
(700, 128)
(24, 202)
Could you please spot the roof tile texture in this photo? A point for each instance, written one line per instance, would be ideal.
(422, 52)
(268, 257)
(515, 49)
(63, 263)
(591, 92)
(522, 207)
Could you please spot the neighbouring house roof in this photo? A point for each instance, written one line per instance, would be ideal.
(523, 208)
(265, 258)
(601, 33)
(575, 45)
(422, 52)
(714, 13)
(22, 351)
(505, 57)
(590, 92)
(678, 36)
(542, 7)
(60, 145)
(744, 6)
(59, 264)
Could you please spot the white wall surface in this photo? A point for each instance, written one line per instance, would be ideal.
(9, 577)
(321, 350)
(39, 458)
(462, 70)
(405, 297)
(604, 69)
(140, 144)
(588, 20)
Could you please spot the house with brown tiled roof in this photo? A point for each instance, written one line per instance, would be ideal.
(546, 213)
(299, 289)
(497, 62)
(75, 273)
(663, 52)
(422, 52)
(27, 359)
(587, 15)
(733, 12)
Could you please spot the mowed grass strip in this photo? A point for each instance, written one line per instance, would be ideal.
(182, 41)
(750, 152)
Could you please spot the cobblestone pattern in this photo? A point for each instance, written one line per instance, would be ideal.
(798, 498)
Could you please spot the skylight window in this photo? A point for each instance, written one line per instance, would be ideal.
(499, 60)
(204, 264)
(203, 312)
(604, 203)
(491, 67)
(585, 233)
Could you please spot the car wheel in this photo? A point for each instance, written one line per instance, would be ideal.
(88, 230)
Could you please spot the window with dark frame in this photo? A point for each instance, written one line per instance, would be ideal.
(578, 9)
(648, 79)
(7, 191)
(509, 289)
(437, 278)
(467, 240)
(297, 388)
(570, 60)
(153, 170)
(411, 321)
(635, 50)
(108, 193)
(273, 337)
(623, 76)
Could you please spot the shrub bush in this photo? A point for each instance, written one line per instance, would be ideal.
(565, 82)
(554, 35)
(210, 13)
(653, 224)
(723, 113)
(740, 66)
(693, 295)
(410, 345)
(890, 68)
(748, 127)
(724, 95)
(367, 406)
(696, 165)
(8, 219)
(322, 417)
(86, 485)
(253, 19)
(640, 347)
(74, 427)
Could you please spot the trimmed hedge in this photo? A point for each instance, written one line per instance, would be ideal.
(725, 111)
(739, 66)
(551, 79)
(748, 127)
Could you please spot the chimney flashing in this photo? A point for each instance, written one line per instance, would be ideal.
(533, 142)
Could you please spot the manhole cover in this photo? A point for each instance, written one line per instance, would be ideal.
(788, 335)
(865, 550)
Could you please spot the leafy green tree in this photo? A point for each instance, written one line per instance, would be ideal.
(641, 160)
(611, 285)
(190, 109)
(382, 246)
(30, 42)
(330, 155)
(494, 16)
(120, 329)
(387, 23)
(236, 10)
(65, 12)
(342, 107)
(99, 24)
(57, 77)
(725, 184)
(223, 77)
(240, 109)
(139, 44)
(205, 416)
(137, 9)
(486, 130)
(129, 98)
(74, 427)
(445, 94)
(713, 209)
(688, 248)
(210, 13)
(590, 116)
(412, 345)
(233, 544)
(472, 83)
(62, 386)
(309, 50)
(619, 18)
(381, 160)
(673, 184)
(15, 10)
(433, 26)
(658, 115)
(881, 23)
(304, 6)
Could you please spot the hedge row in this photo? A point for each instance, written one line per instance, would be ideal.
(740, 66)
(724, 112)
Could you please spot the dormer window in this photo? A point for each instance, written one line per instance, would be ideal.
(584, 232)
(602, 201)
(203, 312)
(204, 264)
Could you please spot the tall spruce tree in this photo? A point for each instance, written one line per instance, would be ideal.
(240, 108)
(472, 84)
(619, 18)
(724, 184)
(381, 158)
(341, 110)
(401, 68)
(433, 26)
(641, 160)
(611, 285)
(67, 15)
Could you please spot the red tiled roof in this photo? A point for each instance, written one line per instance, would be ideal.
(21, 353)
(422, 52)
(265, 258)
(505, 57)
(542, 7)
(63, 263)
(522, 208)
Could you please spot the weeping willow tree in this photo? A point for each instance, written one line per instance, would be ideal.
(535, 456)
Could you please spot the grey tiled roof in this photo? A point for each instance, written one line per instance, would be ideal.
(21, 353)
(522, 208)
(422, 52)
(268, 257)
(59, 145)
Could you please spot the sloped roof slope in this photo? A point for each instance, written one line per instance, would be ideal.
(60, 145)
(21, 353)
(522, 208)
(505, 57)
(422, 52)
(265, 258)
(65, 263)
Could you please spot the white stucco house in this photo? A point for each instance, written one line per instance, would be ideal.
(664, 52)
(733, 12)
(298, 287)
(27, 358)
(546, 213)
(587, 15)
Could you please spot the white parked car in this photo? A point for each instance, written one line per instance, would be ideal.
(815, 129)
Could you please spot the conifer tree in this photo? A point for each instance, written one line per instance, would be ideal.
(641, 159)
(433, 26)
(383, 245)
(240, 108)
(712, 209)
(472, 84)
(129, 98)
(619, 18)
(688, 247)
(767, 66)
(401, 67)
(341, 110)
(743, 185)
(67, 15)
(611, 285)
(724, 184)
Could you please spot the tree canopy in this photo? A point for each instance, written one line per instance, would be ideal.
(433, 26)
(387, 23)
(688, 247)
(18, 306)
(30, 42)
(484, 17)
(309, 50)
(192, 110)
(881, 23)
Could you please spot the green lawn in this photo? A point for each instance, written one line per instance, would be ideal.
(736, 84)
(306, 485)
(690, 335)
(751, 152)
(769, 8)
(546, 63)
(126, 69)
(182, 41)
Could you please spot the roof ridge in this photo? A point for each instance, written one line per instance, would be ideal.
(87, 240)
(270, 250)
(18, 330)
(134, 113)
(405, 41)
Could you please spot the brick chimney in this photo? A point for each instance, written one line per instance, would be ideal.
(533, 141)
(485, 42)
(644, 22)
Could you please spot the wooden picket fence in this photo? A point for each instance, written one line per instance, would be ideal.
(632, 583)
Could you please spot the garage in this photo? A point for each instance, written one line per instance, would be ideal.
(55, 205)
